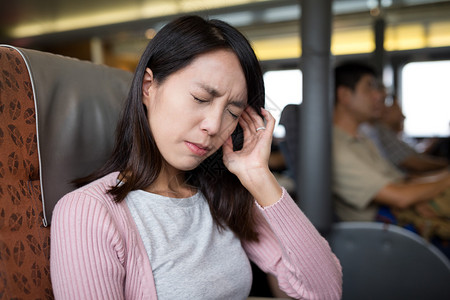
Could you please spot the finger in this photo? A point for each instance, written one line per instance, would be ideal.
(246, 124)
(256, 118)
(249, 131)
(243, 120)
(246, 130)
(249, 119)
(228, 152)
(270, 120)
(227, 147)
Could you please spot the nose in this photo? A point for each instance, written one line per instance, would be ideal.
(212, 121)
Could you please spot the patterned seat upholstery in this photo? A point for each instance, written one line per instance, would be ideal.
(57, 121)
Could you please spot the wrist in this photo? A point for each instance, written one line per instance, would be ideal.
(263, 186)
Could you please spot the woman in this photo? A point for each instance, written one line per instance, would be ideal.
(187, 197)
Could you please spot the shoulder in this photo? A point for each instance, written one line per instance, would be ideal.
(342, 145)
(91, 196)
(340, 136)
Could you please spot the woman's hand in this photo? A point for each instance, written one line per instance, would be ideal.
(255, 152)
(251, 163)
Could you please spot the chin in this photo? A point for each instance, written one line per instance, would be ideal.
(187, 169)
(189, 166)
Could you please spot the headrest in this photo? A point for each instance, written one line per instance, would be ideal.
(77, 106)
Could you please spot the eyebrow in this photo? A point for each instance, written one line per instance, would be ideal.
(239, 104)
(212, 91)
(215, 93)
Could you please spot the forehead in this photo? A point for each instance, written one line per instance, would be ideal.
(220, 61)
(218, 72)
(368, 79)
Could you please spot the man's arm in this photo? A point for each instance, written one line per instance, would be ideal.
(404, 194)
(423, 163)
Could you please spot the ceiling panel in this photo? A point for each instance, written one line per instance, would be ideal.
(31, 18)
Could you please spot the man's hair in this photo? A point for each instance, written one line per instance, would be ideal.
(349, 73)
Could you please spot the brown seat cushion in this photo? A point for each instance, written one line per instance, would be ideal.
(24, 241)
(57, 122)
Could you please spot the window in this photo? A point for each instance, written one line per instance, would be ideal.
(282, 88)
(425, 93)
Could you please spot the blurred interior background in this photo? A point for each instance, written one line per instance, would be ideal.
(115, 32)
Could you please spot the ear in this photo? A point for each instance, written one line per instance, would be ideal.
(147, 82)
(343, 93)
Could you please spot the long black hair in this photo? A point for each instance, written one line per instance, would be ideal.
(135, 153)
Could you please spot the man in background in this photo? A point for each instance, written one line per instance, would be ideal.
(362, 179)
(384, 132)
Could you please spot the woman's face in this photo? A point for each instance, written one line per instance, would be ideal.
(193, 112)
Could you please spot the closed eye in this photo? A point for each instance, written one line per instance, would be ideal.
(233, 115)
(200, 100)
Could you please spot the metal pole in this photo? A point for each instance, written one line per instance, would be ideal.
(314, 165)
(379, 53)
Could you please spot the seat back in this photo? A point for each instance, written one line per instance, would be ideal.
(381, 261)
(290, 119)
(57, 122)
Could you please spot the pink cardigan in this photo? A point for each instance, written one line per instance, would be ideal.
(97, 253)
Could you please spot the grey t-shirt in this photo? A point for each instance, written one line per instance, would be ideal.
(190, 257)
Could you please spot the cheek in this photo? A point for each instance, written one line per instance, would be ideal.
(226, 131)
(229, 128)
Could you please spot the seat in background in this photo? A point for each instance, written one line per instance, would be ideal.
(290, 119)
(57, 122)
(382, 261)
(379, 261)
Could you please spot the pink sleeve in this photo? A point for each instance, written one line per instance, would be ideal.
(86, 251)
(293, 250)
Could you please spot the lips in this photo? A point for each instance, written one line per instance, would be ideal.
(197, 149)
